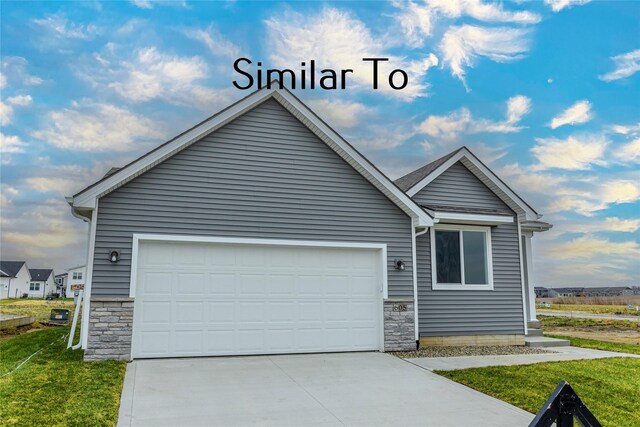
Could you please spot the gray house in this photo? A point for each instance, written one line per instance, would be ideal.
(262, 231)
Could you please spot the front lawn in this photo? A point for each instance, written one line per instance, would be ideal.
(599, 345)
(55, 387)
(38, 308)
(609, 387)
(591, 308)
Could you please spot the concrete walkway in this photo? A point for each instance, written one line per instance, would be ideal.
(555, 354)
(344, 389)
(586, 315)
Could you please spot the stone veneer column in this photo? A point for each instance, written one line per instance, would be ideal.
(110, 327)
(399, 325)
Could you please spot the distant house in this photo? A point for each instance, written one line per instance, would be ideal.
(14, 279)
(565, 292)
(541, 292)
(42, 282)
(609, 291)
(61, 283)
(77, 276)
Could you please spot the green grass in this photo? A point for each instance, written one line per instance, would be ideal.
(584, 323)
(599, 345)
(39, 308)
(609, 387)
(55, 387)
(591, 308)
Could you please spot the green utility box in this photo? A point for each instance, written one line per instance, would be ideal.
(59, 315)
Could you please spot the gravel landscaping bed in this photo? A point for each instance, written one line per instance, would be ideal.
(497, 350)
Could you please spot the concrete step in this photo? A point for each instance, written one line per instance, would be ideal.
(533, 324)
(534, 332)
(545, 342)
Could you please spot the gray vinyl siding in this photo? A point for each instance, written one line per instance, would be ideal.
(459, 187)
(499, 311)
(264, 175)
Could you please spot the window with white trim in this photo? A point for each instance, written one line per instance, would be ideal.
(461, 257)
(77, 275)
(34, 286)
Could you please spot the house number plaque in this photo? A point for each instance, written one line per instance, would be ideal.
(399, 307)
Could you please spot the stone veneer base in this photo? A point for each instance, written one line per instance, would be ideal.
(110, 327)
(399, 325)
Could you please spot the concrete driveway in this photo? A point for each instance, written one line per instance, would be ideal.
(346, 389)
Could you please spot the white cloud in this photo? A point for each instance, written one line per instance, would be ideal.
(11, 144)
(337, 39)
(621, 225)
(517, 107)
(626, 65)
(588, 247)
(20, 100)
(417, 19)
(345, 114)
(60, 27)
(217, 44)
(572, 153)
(462, 45)
(630, 152)
(15, 72)
(450, 126)
(580, 112)
(626, 129)
(558, 5)
(152, 75)
(97, 127)
(6, 113)
(587, 200)
(142, 4)
(3, 81)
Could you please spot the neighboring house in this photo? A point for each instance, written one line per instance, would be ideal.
(610, 291)
(76, 277)
(541, 292)
(14, 279)
(42, 282)
(61, 284)
(262, 231)
(566, 292)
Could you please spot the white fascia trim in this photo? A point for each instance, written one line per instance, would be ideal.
(137, 238)
(87, 199)
(452, 217)
(470, 157)
(461, 286)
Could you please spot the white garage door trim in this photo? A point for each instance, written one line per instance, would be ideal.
(382, 248)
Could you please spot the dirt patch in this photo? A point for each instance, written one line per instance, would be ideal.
(623, 337)
(6, 334)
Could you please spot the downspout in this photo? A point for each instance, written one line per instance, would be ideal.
(414, 235)
(9, 288)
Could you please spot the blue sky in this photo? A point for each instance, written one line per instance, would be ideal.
(546, 93)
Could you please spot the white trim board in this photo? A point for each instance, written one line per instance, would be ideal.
(137, 238)
(87, 198)
(484, 174)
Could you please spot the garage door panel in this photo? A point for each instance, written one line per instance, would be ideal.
(198, 299)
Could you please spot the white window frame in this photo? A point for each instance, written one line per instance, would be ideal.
(461, 286)
(35, 285)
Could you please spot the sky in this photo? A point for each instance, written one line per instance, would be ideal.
(546, 93)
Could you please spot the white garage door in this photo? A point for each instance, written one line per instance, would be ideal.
(206, 299)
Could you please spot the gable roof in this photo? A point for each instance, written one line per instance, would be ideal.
(86, 199)
(420, 178)
(40, 274)
(10, 268)
(412, 178)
